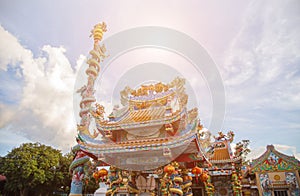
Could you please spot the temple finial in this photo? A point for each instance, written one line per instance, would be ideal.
(97, 32)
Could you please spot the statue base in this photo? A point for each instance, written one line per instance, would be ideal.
(101, 191)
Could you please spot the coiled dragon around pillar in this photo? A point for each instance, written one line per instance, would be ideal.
(87, 109)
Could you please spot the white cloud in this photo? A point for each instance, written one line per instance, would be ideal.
(45, 112)
(262, 63)
(11, 52)
(288, 150)
(261, 74)
(257, 152)
(7, 114)
(266, 45)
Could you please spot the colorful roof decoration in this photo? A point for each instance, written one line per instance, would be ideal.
(220, 150)
(272, 160)
(149, 104)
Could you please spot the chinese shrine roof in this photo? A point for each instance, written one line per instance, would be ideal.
(220, 154)
(152, 104)
(272, 160)
(142, 117)
(144, 144)
(220, 151)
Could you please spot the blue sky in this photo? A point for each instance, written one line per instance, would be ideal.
(255, 45)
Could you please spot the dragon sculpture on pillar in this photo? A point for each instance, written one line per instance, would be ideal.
(87, 110)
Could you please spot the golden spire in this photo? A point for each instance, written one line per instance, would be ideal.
(97, 32)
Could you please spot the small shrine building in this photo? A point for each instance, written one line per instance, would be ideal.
(272, 174)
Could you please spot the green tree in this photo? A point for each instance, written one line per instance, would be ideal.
(91, 186)
(65, 175)
(35, 169)
(90, 183)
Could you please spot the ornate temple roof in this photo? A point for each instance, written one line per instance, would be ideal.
(142, 144)
(220, 151)
(272, 160)
(220, 155)
(153, 122)
(151, 104)
(142, 117)
(146, 95)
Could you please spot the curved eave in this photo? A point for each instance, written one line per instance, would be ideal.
(233, 160)
(144, 145)
(201, 150)
(115, 148)
(119, 125)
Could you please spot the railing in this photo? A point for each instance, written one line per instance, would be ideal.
(278, 184)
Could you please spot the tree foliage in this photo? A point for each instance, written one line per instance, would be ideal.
(35, 169)
(90, 183)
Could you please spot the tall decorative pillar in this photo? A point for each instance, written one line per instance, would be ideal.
(87, 109)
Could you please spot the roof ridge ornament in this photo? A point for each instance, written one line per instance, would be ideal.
(270, 147)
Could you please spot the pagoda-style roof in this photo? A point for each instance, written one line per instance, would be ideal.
(127, 153)
(223, 155)
(152, 104)
(143, 117)
(273, 160)
(146, 95)
(220, 151)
